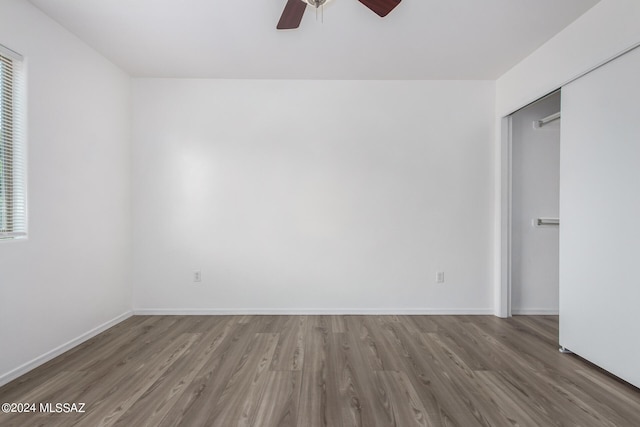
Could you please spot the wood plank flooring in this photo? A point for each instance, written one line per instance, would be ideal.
(336, 371)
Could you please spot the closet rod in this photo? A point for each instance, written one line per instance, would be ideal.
(547, 221)
(545, 120)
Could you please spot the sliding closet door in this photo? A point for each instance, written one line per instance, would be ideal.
(600, 211)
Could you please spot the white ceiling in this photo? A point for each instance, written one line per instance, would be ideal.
(419, 39)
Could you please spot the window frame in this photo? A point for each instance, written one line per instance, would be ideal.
(13, 185)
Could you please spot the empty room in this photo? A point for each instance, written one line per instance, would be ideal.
(319, 213)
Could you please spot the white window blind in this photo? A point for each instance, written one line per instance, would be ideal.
(13, 197)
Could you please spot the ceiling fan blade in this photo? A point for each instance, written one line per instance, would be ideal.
(381, 7)
(292, 15)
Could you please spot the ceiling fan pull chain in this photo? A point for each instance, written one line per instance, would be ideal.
(319, 4)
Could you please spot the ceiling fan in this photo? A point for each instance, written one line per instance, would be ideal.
(294, 9)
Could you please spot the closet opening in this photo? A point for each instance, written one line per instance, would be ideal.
(533, 207)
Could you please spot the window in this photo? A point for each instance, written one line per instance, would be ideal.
(13, 197)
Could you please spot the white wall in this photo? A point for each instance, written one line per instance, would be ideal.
(73, 273)
(325, 196)
(603, 32)
(600, 207)
(535, 194)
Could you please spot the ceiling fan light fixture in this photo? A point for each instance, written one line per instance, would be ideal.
(316, 3)
(319, 6)
(294, 9)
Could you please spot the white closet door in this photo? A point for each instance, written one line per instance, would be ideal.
(600, 211)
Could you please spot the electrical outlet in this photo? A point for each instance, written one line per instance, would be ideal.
(197, 276)
(440, 277)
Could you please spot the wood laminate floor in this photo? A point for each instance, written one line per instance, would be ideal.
(313, 371)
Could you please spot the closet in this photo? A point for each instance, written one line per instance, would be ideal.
(535, 200)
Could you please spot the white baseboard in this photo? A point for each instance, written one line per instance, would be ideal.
(310, 311)
(535, 311)
(23, 369)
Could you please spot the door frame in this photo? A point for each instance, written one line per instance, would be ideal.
(504, 297)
